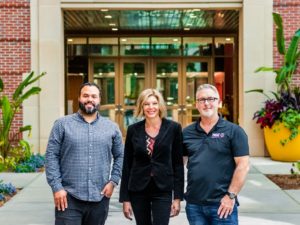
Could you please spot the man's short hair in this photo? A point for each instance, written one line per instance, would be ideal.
(91, 84)
(207, 86)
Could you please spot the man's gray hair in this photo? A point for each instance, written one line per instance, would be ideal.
(207, 86)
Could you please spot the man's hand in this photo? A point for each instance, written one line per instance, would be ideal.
(226, 207)
(127, 210)
(175, 207)
(108, 190)
(60, 200)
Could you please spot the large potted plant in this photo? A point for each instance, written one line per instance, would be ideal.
(280, 114)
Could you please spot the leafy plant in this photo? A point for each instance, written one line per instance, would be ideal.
(285, 105)
(12, 146)
(295, 168)
(8, 189)
(34, 163)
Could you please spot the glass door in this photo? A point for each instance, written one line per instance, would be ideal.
(166, 81)
(104, 72)
(195, 73)
(134, 78)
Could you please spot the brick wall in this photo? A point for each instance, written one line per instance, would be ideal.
(14, 45)
(290, 12)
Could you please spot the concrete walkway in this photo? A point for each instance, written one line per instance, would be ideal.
(262, 202)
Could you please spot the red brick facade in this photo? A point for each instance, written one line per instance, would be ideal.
(290, 12)
(14, 45)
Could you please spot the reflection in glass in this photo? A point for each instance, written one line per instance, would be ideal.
(196, 74)
(134, 81)
(167, 81)
(224, 46)
(223, 80)
(129, 118)
(104, 77)
(135, 46)
(196, 46)
(166, 46)
(76, 47)
(103, 46)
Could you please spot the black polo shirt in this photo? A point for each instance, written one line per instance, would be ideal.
(211, 159)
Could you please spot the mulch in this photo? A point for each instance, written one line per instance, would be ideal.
(286, 182)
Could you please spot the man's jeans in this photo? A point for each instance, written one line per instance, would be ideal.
(208, 215)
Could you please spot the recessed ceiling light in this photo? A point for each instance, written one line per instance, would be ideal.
(175, 39)
(221, 14)
(123, 39)
(112, 24)
(228, 39)
(186, 28)
(114, 29)
(104, 10)
(70, 40)
(196, 10)
(108, 17)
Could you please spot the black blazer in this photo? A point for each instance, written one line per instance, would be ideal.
(166, 162)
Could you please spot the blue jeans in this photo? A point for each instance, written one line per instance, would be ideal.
(208, 215)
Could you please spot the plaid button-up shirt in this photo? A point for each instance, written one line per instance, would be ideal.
(79, 156)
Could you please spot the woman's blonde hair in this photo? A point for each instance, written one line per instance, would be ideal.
(144, 95)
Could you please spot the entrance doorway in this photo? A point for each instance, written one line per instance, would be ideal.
(121, 81)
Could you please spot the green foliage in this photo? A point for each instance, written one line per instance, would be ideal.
(295, 168)
(6, 189)
(34, 163)
(12, 148)
(291, 120)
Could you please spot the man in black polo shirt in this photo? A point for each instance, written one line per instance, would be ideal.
(218, 162)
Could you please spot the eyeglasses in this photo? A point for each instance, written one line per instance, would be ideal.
(209, 100)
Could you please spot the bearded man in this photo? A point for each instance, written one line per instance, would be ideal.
(84, 160)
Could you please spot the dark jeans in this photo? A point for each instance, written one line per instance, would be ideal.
(151, 206)
(208, 215)
(82, 212)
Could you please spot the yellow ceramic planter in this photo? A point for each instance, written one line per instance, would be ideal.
(288, 153)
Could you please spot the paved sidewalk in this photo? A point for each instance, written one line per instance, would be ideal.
(262, 202)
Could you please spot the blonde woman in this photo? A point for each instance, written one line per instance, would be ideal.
(153, 179)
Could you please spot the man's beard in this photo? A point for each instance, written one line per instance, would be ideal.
(88, 110)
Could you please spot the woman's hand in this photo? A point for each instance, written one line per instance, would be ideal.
(127, 210)
(175, 207)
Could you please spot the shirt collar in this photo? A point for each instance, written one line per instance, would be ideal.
(220, 123)
(82, 118)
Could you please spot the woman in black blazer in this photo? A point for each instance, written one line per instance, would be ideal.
(153, 178)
